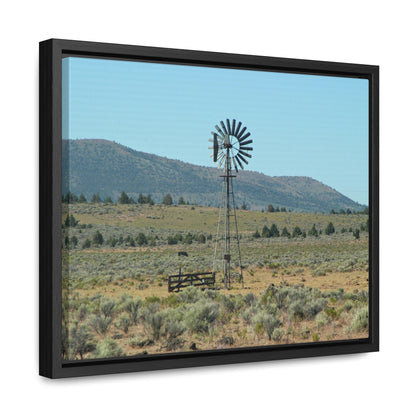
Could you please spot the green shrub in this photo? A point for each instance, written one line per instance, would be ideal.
(322, 319)
(108, 308)
(98, 238)
(79, 340)
(348, 305)
(190, 294)
(108, 348)
(124, 322)
(155, 322)
(278, 334)
(201, 315)
(100, 323)
(87, 243)
(360, 320)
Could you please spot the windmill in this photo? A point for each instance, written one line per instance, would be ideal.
(230, 149)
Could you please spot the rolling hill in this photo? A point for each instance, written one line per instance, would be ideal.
(95, 165)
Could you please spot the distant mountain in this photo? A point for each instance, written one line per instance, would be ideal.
(94, 165)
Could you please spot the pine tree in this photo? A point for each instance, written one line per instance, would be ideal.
(98, 238)
(329, 229)
(201, 239)
(167, 200)
(285, 233)
(87, 243)
(188, 239)
(70, 221)
(270, 208)
(274, 232)
(244, 206)
(256, 234)
(313, 231)
(149, 200)
(265, 232)
(96, 198)
(296, 232)
(82, 198)
(141, 239)
(124, 198)
(181, 201)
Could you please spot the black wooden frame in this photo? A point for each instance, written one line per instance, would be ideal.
(50, 139)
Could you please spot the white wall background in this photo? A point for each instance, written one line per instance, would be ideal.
(372, 32)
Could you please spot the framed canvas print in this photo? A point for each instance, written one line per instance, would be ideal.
(201, 208)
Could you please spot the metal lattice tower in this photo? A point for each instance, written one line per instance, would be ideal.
(229, 150)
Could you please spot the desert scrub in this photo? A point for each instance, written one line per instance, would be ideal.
(124, 322)
(278, 334)
(173, 330)
(322, 319)
(360, 320)
(100, 323)
(107, 348)
(191, 294)
(267, 321)
(132, 307)
(305, 309)
(80, 341)
(201, 316)
(348, 305)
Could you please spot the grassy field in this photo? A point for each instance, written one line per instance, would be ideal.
(116, 300)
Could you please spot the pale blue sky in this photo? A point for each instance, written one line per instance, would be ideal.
(301, 125)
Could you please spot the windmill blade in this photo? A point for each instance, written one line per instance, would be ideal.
(229, 126)
(246, 142)
(241, 157)
(235, 164)
(223, 126)
(238, 160)
(215, 147)
(222, 134)
(245, 148)
(244, 153)
(219, 136)
(237, 129)
(233, 129)
(241, 133)
(221, 161)
(244, 137)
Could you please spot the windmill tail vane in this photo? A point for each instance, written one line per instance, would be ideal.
(230, 146)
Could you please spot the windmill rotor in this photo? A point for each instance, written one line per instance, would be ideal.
(230, 141)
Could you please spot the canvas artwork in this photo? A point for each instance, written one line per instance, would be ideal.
(208, 208)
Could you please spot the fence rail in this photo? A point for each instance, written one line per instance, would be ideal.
(179, 281)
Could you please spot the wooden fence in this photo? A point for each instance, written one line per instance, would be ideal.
(179, 281)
